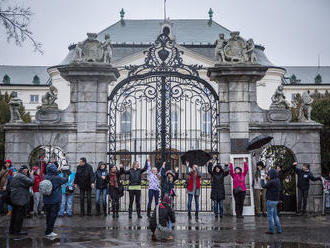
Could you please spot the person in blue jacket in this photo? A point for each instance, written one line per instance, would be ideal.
(52, 201)
(67, 191)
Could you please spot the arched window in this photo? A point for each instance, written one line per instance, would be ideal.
(6, 79)
(125, 122)
(174, 123)
(36, 80)
(206, 123)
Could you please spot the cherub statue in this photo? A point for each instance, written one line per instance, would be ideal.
(107, 50)
(250, 55)
(219, 46)
(278, 99)
(78, 52)
(14, 105)
(48, 100)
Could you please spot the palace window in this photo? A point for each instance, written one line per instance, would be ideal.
(34, 98)
(6, 79)
(174, 123)
(125, 122)
(206, 123)
(36, 80)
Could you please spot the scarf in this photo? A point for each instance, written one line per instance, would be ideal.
(113, 179)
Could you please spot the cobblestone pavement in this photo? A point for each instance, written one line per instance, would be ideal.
(298, 232)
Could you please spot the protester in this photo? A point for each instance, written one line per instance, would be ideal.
(282, 174)
(304, 176)
(273, 187)
(85, 180)
(116, 190)
(11, 173)
(134, 187)
(52, 201)
(153, 191)
(3, 185)
(259, 192)
(168, 182)
(37, 196)
(327, 192)
(161, 217)
(239, 187)
(193, 188)
(20, 196)
(67, 191)
(102, 179)
(218, 187)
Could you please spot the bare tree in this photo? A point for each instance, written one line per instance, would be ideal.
(16, 21)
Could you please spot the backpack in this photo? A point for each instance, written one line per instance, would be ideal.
(46, 187)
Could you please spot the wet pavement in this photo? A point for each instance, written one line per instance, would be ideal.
(298, 232)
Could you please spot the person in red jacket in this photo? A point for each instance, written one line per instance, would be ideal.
(37, 196)
(239, 187)
(193, 188)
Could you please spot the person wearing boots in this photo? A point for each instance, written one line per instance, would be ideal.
(239, 187)
(218, 187)
(20, 196)
(304, 176)
(38, 202)
(134, 187)
(153, 192)
(193, 189)
(11, 173)
(85, 180)
(259, 192)
(114, 188)
(168, 182)
(67, 191)
(102, 179)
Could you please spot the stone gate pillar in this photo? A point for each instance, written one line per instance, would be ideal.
(89, 83)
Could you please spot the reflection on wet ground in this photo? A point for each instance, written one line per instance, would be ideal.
(228, 232)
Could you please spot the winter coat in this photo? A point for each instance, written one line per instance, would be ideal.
(57, 181)
(113, 191)
(84, 176)
(134, 175)
(99, 182)
(304, 177)
(167, 186)
(19, 189)
(37, 180)
(218, 185)
(273, 186)
(166, 214)
(190, 187)
(3, 179)
(239, 178)
(70, 180)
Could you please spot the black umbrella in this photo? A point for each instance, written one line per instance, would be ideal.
(258, 142)
(198, 157)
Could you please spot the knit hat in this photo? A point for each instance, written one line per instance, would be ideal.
(23, 167)
(260, 163)
(8, 161)
(65, 167)
(170, 172)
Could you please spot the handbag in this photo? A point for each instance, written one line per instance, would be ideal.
(239, 188)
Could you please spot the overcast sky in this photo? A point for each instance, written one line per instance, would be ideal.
(294, 32)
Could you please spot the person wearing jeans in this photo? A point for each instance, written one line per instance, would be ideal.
(193, 189)
(218, 187)
(153, 192)
(273, 187)
(85, 180)
(67, 192)
(102, 179)
(239, 187)
(52, 201)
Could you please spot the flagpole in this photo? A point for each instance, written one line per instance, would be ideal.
(164, 10)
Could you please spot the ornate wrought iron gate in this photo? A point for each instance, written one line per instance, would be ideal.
(162, 109)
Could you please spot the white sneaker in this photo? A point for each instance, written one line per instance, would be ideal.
(52, 234)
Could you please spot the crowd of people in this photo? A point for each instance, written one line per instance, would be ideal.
(18, 187)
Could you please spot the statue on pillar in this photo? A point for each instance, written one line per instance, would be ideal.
(235, 50)
(107, 50)
(305, 110)
(14, 105)
(278, 99)
(49, 98)
(279, 109)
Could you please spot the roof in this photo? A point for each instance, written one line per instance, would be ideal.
(24, 75)
(186, 31)
(307, 74)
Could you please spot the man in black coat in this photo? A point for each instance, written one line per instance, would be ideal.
(20, 196)
(85, 180)
(304, 176)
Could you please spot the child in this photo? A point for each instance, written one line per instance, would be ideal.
(153, 191)
(67, 191)
(37, 196)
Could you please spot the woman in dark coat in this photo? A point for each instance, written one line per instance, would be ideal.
(114, 190)
(218, 187)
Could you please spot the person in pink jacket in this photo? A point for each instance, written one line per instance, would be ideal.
(239, 188)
